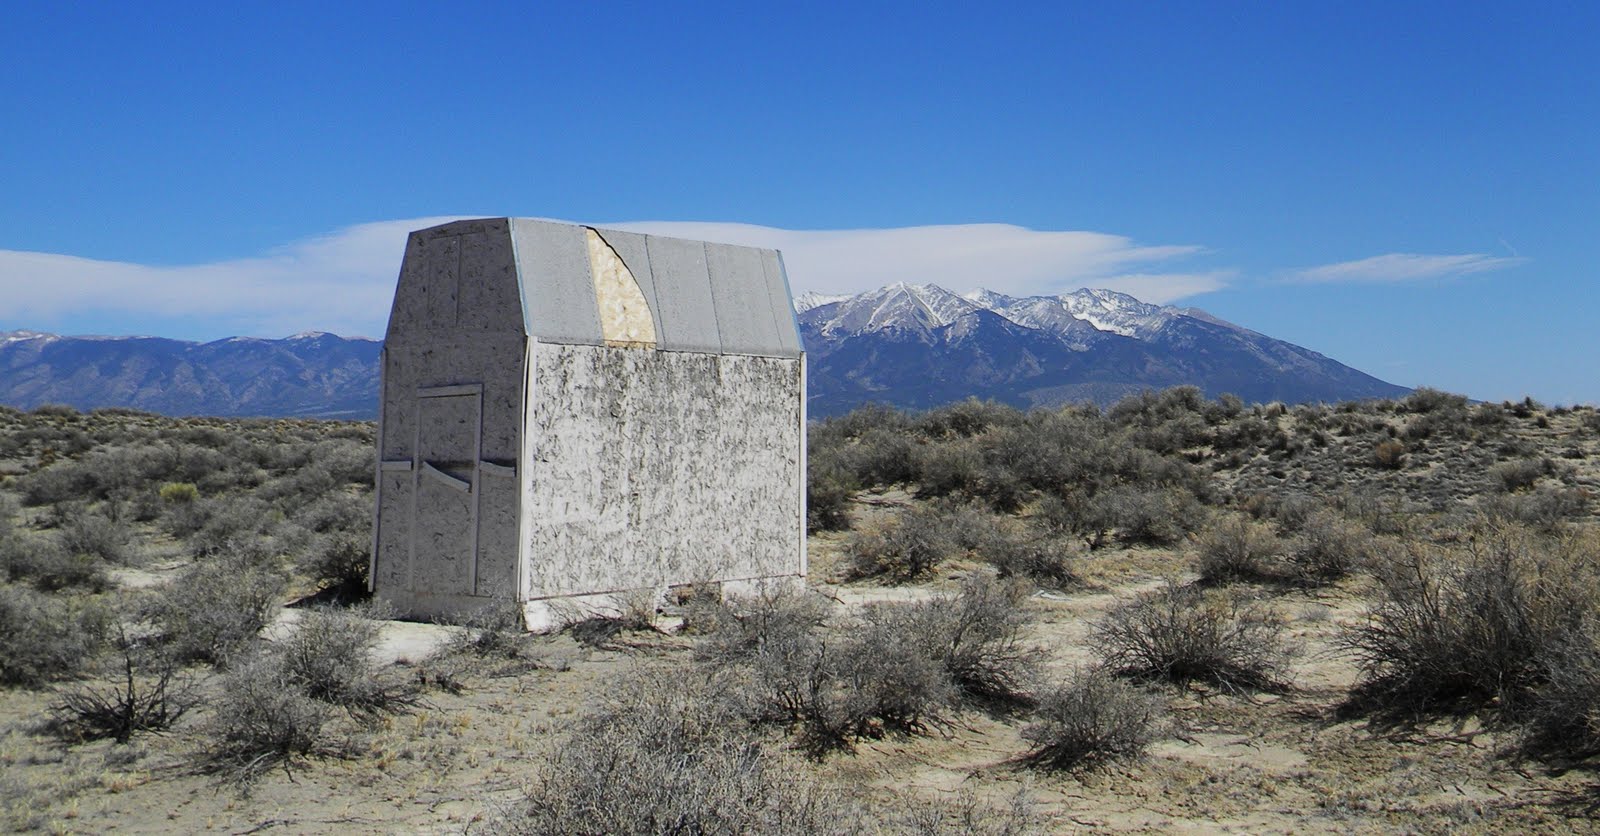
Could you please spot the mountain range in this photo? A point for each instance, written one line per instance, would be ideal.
(919, 346)
(912, 346)
(314, 374)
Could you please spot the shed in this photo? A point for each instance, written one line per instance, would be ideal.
(570, 413)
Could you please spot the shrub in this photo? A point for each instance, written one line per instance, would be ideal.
(1472, 626)
(881, 458)
(215, 608)
(60, 482)
(94, 535)
(49, 567)
(871, 682)
(1235, 548)
(328, 656)
(889, 675)
(262, 720)
(135, 702)
(338, 512)
(1565, 718)
(55, 410)
(43, 638)
(1424, 400)
(228, 523)
(340, 560)
(1092, 720)
(829, 490)
(1544, 509)
(1520, 475)
(976, 637)
(1329, 548)
(1044, 560)
(967, 418)
(738, 630)
(1182, 634)
(661, 755)
(179, 493)
(893, 669)
(955, 467)
(912, 544)
(1289, 511)
(1140, 515)
(1389, 455)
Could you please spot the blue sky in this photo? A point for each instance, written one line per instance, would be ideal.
(1410, 188)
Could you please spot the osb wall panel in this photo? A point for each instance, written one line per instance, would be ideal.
(394, 531)
(446, 359)
(497, 535)
(652, 467)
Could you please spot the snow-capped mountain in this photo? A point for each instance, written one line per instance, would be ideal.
(922, 345)
(915, 346)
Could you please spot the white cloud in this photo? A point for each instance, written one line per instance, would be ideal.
(1161, 288)
(343, 282)
(1000, 257)
(1404, 267)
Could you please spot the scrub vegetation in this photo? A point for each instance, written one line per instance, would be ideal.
(1363, 616)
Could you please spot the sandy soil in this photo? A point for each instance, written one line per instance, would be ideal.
(1267, 764)
(1288, 763)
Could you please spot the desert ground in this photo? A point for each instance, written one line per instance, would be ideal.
(1172, 614)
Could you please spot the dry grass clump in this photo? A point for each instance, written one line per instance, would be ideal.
(1184, 634)
(1475, 626)
(664, 754)
(965, 814)
(1389, 455)
(1092, 720)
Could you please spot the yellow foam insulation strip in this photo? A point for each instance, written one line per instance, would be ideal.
(624, 315)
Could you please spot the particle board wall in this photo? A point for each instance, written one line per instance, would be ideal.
(656, 467)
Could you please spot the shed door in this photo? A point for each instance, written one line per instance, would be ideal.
(444, 524)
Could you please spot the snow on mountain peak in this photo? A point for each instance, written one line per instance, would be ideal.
(811, 299)
(8, 337)
(1076, 317)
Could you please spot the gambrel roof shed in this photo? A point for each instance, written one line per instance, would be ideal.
(570, 411)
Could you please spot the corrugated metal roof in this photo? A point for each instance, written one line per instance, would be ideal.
(703, 297)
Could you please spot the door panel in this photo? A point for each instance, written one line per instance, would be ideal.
(445, 517)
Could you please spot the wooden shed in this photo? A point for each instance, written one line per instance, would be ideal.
(570, 413)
